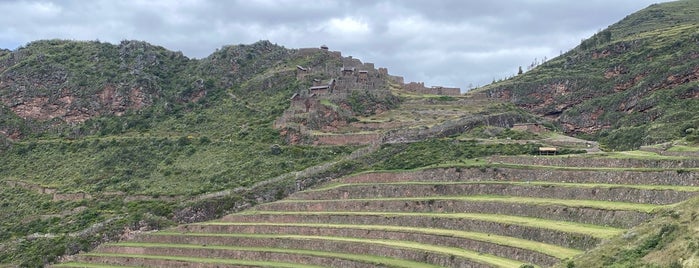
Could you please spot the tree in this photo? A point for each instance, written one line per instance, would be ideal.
(520, 71)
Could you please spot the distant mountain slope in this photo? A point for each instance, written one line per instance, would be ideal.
(50, 86)
(634, 83)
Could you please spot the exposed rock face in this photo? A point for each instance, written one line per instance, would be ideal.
(71, 82)
(637, 74)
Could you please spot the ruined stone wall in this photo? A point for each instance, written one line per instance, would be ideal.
(581, 161)
(71, 196)
(245, 255)
(397, 79)
(308, 244)
(419, 87)
(31, 187)
(571, 240)
(480, 246)
(452, 127)
(614, 218)
(685, 178)
(615, 194)
(347, 139)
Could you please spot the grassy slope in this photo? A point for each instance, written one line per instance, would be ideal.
(646, 50)
(669, 240)
(221, 141)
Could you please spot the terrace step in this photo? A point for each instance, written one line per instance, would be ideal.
(305, 249)
(614, 214)
(89, 265)
(503, 246)
(535, 174)
(587, 161)
(245, 253)
(565, 234)
(142, 260)
(616, 193)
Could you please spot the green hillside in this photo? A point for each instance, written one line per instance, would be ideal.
(260, 155)
(634, 83)
(100, 141)
(96, 138)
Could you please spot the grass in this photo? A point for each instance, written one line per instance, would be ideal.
(563, 226)
(206, 260)
(548, 249)
(467, 254)
(644, 155)
(671, 239)
(89, 265)
(683, 148)
(533, 201)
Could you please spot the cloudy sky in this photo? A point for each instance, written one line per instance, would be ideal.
(458, 43)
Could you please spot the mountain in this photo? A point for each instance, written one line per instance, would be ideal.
(634, 83)
(101, 141)
(101, 144)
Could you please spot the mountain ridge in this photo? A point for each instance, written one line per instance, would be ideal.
(626, 86)
(116, 139)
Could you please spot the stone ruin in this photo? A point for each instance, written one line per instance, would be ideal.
(334, 78)
(419, 87)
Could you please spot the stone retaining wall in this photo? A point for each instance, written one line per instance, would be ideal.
(347, 139)
(616, 194)
(452, 127)
(577, 161)
(31, 187)
(613, 218)
(570, 240)
(71, 196)
(684, 178)
(318, 245)
(234, 254)
(140, 262)
(519, 254)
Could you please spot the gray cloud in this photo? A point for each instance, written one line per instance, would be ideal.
(452, 43)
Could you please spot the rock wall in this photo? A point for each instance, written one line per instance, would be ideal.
(231, 254)
(347, 139)
(71, 196)
(452, 127)
(616, 194)
(441, 240)
(571, 240)
(582, 161)
(614, 218)
(419, 87)
(308, 244)
(680, 177)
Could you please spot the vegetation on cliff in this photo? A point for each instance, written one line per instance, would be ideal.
(631, 84)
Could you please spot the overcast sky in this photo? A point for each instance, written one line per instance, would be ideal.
(449, 43)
